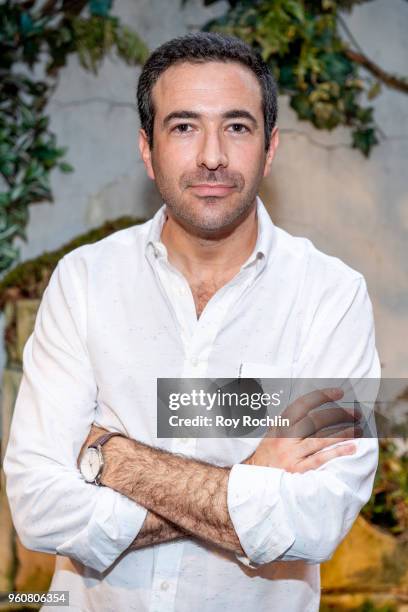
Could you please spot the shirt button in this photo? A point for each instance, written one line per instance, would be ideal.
(164, 586)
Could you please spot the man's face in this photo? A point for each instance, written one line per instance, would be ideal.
(208, 155)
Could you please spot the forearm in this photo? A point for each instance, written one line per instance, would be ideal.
(156, 530)
(188, 493)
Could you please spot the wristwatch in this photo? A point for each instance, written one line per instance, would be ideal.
(91, 464)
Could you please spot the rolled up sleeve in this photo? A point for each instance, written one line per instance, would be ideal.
(54, 510)
(258, 513)
(290, 516)
(287, 516)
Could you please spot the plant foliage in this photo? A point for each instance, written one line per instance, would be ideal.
(312, 62)
(36, 39)
(388, 505)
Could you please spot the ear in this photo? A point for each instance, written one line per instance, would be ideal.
(145, 153)
(272, 150)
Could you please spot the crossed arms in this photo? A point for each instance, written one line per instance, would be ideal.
(251, 507)
(187, 497)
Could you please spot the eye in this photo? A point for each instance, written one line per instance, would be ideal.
(239, 128)
(182, 128)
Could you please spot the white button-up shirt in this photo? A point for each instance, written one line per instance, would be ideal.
(115, 316)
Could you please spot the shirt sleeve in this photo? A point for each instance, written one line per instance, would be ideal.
(290, 516)
(54, 510)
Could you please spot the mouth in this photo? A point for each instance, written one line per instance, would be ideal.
(212, 189)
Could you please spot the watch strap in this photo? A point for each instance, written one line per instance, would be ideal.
(104, 438)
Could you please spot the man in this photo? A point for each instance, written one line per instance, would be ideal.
(208, 288)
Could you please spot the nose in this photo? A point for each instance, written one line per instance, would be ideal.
(212, 153)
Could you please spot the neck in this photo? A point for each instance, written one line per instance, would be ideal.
(210, 259)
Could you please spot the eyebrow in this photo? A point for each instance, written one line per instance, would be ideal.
(231, 114)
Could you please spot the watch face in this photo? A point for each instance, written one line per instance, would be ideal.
(90, 464)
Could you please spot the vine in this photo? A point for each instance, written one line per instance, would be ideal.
(36, 39)
(315, 60)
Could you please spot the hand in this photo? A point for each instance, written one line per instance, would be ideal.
(296, 449)
(94, 433)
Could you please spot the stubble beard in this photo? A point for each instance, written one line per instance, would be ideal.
(186, 211)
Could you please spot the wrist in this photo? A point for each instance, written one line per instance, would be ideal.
(118, 455)
(249, 460)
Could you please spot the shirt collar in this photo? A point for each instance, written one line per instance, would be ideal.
(263, 247)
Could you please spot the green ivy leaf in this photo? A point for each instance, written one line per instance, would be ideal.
(295, 8)
(100, 8)
(9, 232)
(365, 115)
(46, 154)
(374, 91)
(4, 199)
(7, 169)
(130, 47)
(65, 167)
(336, 67)
(287, 79)
(301, 104)
(17, 192)
(26, 23)
(364, 140)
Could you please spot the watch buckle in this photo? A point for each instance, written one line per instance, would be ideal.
(98, 477)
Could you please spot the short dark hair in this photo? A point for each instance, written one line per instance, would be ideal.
(203, 47)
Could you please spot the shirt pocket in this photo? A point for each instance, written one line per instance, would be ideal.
(261, 370)
(275, 380)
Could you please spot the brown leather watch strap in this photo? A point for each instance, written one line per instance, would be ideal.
(103, 439)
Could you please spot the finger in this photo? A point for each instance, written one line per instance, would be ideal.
(326, 417)
(355, 431)
(309, 446)
(315, 461)
(335, 416)
(301, 407)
